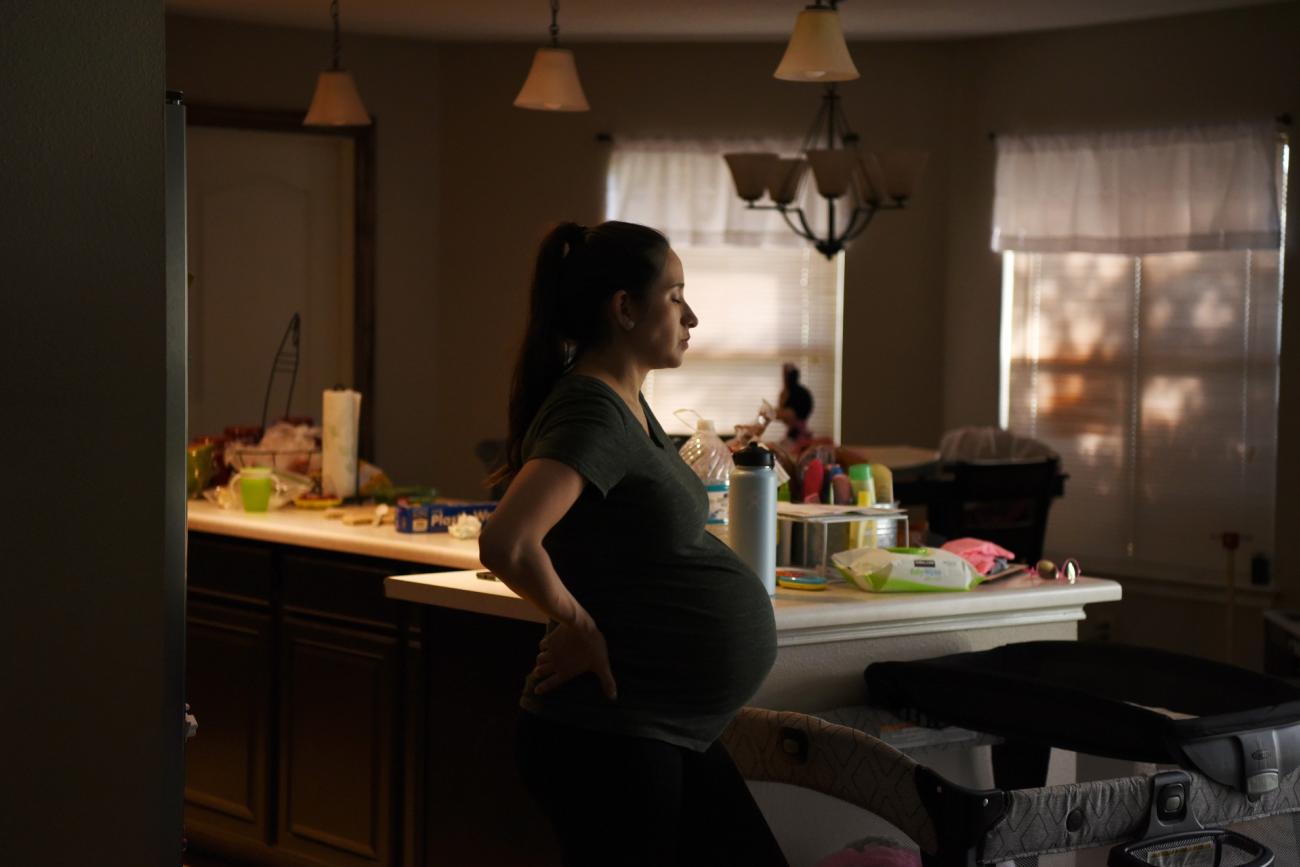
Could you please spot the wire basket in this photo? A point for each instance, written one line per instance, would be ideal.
(304, 462)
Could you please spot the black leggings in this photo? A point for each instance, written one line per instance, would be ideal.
(614, 799)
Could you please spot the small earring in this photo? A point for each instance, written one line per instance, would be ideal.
(629, 325)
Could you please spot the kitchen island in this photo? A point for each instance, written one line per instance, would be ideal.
(355, 707)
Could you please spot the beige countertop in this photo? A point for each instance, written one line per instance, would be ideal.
(840, 613)
(309, 528)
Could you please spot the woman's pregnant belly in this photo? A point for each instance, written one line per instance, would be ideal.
(700, 644)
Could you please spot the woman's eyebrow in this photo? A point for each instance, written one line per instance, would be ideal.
(675, 286)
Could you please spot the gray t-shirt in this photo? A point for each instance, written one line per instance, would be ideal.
(688, 625)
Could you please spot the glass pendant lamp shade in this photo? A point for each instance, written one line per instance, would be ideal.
(901, 169)
(750, 172)
(783, 184)
(817, 51)
(336, 102)
(552, 83)
(833, 170)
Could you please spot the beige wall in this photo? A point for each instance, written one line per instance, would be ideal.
(220, 63)
(467, 184)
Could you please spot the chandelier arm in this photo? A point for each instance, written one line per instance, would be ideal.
(805, 233)
(868, 211)
(821, 119)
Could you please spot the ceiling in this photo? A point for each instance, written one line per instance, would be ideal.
(688, 20)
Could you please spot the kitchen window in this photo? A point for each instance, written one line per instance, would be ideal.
(763, 296)
(1153, 372)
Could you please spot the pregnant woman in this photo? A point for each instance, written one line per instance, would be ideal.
(658, 633)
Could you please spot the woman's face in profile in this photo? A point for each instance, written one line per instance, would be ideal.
(663, 326)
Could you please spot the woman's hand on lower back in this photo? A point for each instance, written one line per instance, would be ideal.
(570, 650)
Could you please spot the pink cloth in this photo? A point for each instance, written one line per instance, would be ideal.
(980, 554)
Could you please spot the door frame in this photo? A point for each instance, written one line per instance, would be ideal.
(363, 233)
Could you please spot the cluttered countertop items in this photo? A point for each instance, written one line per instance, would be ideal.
(803, 518)
(310, 529)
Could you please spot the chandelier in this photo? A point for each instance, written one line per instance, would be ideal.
(862, 182)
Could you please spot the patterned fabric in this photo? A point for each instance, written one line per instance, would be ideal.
(801, 750)
(855, 767)
(1116, 811)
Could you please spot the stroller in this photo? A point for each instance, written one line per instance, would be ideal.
(1228, 738)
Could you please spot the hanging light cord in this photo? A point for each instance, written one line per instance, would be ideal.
(334, 14)
(555, 28)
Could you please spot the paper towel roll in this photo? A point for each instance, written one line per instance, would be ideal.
(340, 417)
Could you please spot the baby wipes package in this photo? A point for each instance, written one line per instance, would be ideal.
(905, 570)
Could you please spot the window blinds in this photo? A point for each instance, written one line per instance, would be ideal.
(763, 296)
(757, 309)
(1156, 379)
(1141, 316)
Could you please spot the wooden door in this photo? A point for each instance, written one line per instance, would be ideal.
(270, 235)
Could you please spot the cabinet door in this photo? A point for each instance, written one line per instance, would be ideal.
(477, 811)
(338, 743)
(229, 659)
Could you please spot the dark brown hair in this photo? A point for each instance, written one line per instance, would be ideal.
(578, 269)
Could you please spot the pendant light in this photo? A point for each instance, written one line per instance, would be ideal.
(552, 83)
(336, 101)
(817, 51)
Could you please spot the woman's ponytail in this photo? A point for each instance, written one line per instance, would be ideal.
(577, 269)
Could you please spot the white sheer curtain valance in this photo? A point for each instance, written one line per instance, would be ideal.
(683, 189)
(1139, 192)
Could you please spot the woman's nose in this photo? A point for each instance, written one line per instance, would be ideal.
(690, 320)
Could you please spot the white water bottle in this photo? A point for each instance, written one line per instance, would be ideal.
(752, 509)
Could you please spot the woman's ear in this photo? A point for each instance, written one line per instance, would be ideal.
(622, 310)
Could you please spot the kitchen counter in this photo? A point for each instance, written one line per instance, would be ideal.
(825, 638)
(839, 613)
(309, 528)
(316, 663)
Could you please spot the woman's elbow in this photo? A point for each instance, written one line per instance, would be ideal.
(495, 551)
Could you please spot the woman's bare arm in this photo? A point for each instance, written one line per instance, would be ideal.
(511, 546)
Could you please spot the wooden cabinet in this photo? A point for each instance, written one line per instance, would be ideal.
(338, 743)
(477, 811)
(229, 658)
(306, 682)
(338, 728)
